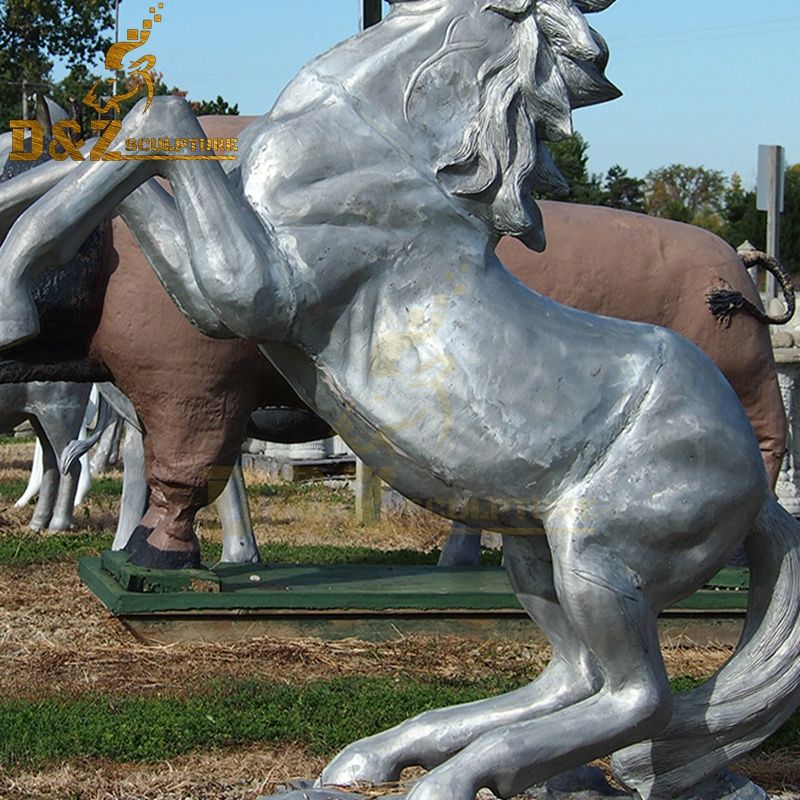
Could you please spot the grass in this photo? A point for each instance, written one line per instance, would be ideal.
(11, 489)
(21, 549)
(9, 438)
(325, 715)
(307, 491)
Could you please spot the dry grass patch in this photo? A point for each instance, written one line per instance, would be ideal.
(236, 774)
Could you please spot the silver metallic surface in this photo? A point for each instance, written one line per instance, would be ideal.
(355, 242)
(55, 410)
(238, 543)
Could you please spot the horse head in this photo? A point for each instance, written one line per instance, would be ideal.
(519, 68)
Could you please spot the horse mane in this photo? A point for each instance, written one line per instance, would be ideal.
(553, 62)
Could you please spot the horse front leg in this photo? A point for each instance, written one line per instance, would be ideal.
(237, 264)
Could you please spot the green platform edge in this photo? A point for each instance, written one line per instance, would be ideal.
(369, 588)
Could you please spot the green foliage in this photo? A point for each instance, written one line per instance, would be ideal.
(742, 221)
(622, 191)
(10, 438)
(218, 106)
(33, 32)
(325, 716)
(790, 220)
(686, 194)
(571, 157)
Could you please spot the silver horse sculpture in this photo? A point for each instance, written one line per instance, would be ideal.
(614, 457)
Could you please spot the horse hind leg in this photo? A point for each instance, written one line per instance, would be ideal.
(750, 696)
(434, 736)
(609, 611)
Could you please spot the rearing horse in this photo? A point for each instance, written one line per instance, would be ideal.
(613, 456)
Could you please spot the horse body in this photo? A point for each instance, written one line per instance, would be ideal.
(623, 440)
(646, 269)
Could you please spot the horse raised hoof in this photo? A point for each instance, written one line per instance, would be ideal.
(358, 763)
(143, 554)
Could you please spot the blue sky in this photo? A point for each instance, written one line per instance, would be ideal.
(705, 81)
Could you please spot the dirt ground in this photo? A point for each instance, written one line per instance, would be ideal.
(56, 639)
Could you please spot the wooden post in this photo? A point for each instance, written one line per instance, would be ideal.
(368, 484)
(371, 13)
(368, 494)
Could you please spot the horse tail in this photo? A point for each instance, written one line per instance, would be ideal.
(79, 447)
(753, 694)
(724, 303)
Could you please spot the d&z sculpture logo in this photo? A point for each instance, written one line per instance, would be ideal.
(139, 72)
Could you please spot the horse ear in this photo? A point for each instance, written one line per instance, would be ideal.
(591, 6)
(43, 115)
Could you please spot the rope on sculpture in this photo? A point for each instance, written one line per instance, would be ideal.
(724, 303)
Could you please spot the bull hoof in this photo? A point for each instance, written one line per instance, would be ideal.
(138, 537)
(143, 554)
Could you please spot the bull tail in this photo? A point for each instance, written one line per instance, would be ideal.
(724, 303)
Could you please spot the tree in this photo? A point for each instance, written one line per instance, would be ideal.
(218, 106)
(686, 194)
(33, 32)
(571, 157)
(790, 221)
(623, 191)
(742, 221)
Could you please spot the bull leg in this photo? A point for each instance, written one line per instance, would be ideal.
(61, 420)
(165, 537)
(35, 479)
(50, 481)
(245, 277)
(238, 542)
(462, 548)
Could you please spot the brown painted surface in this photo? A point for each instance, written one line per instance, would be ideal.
(646, 269)
(193, 394)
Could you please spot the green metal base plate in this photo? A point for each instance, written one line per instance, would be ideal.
(232, 601)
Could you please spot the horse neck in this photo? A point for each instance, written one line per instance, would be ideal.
(377, 66)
